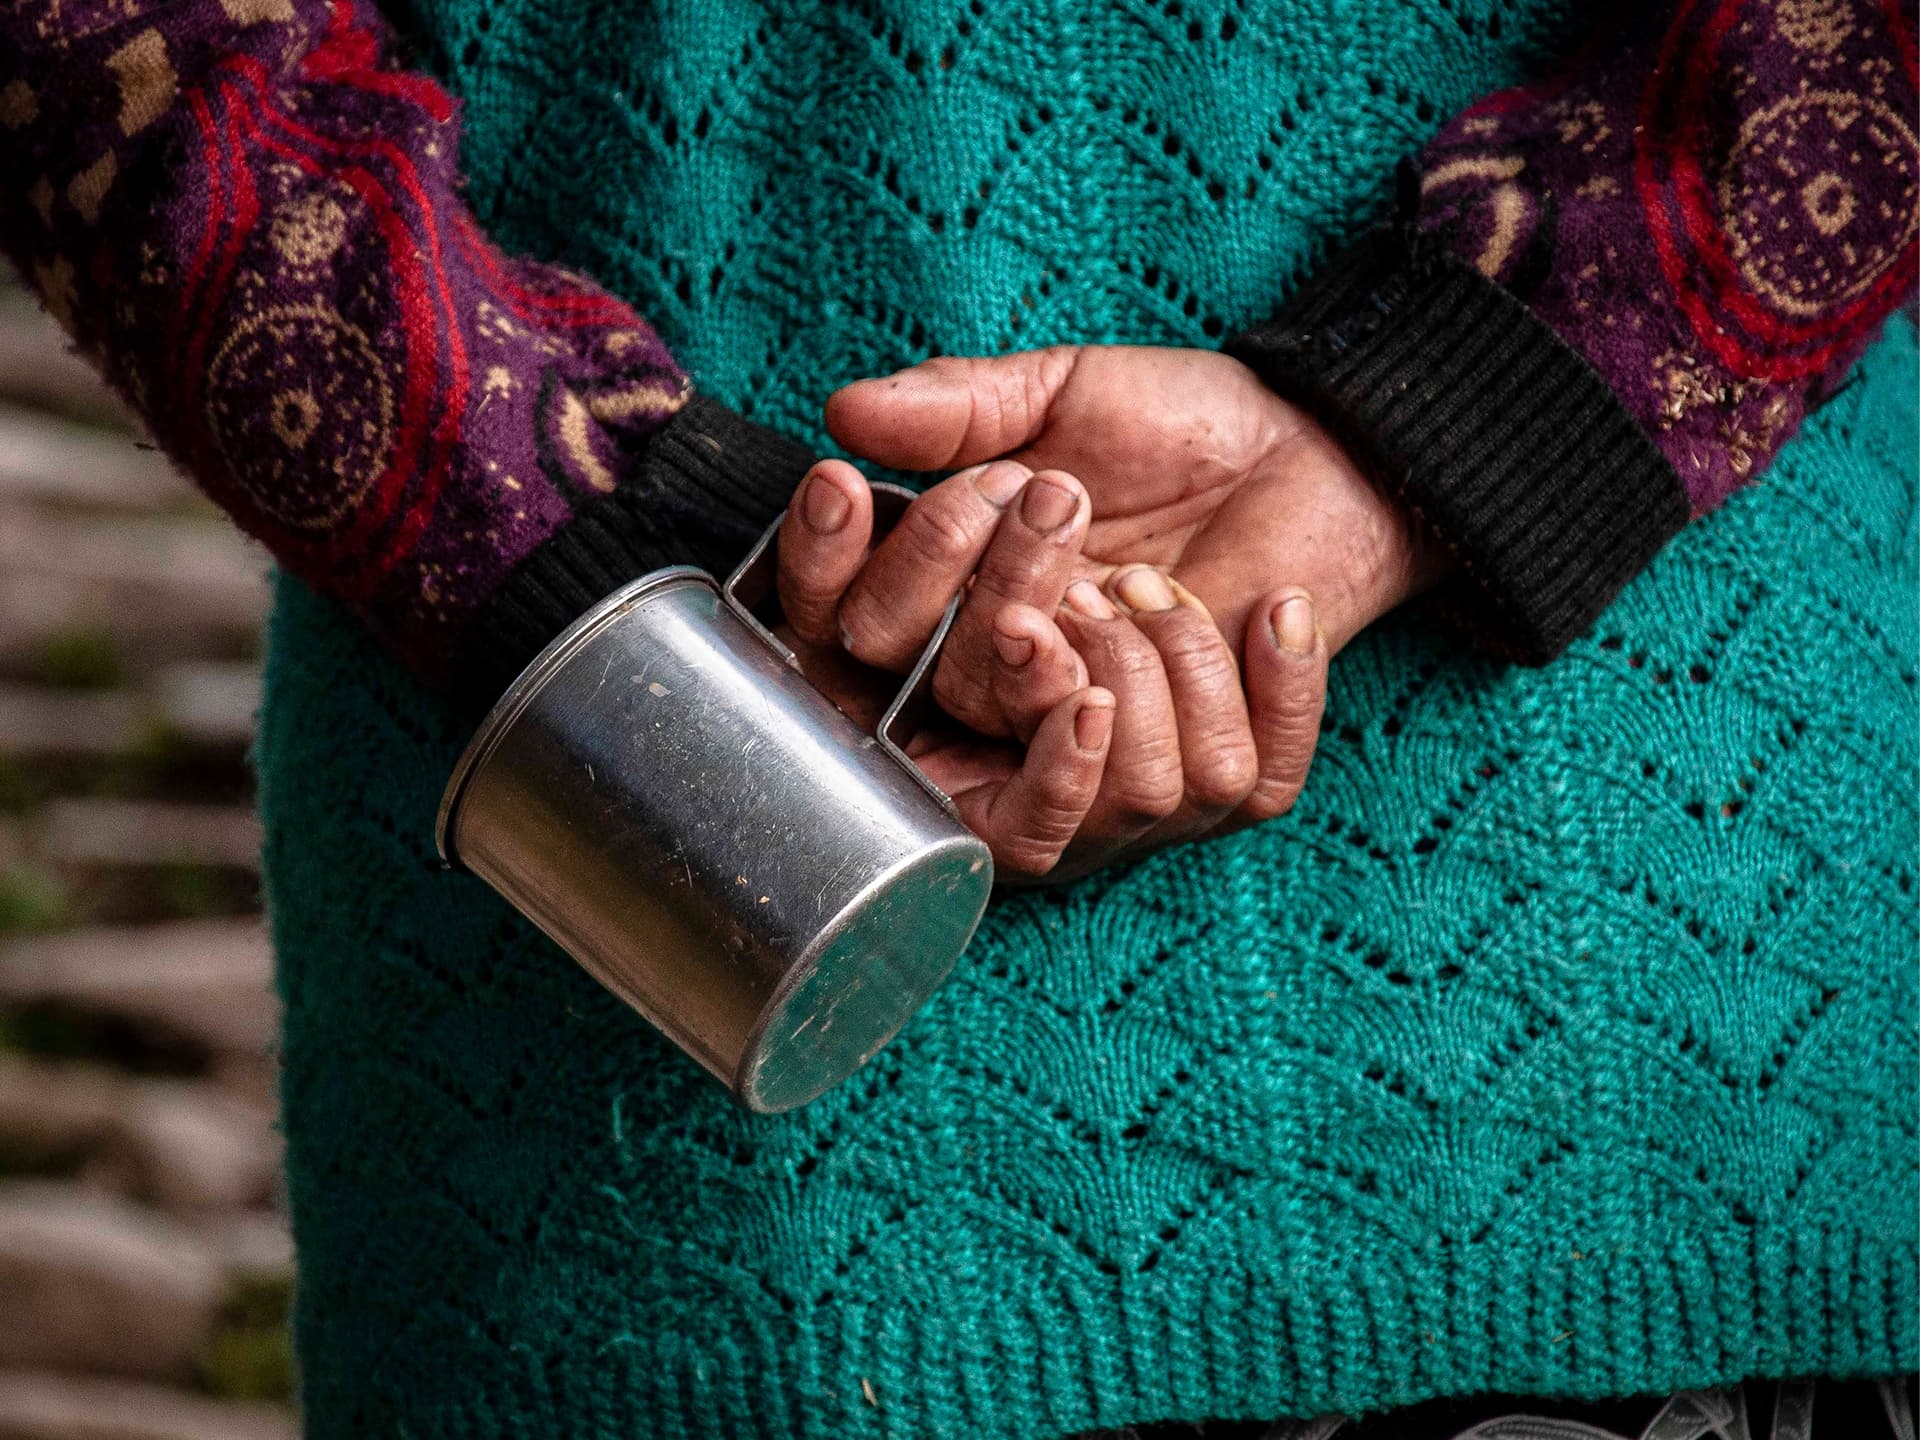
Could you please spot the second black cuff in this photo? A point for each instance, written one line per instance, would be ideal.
(1472, 412)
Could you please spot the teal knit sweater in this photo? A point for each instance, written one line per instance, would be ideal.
(1562, 1040)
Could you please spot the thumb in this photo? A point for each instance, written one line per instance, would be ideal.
(951, 411)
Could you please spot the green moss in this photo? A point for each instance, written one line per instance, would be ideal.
(250, 1356)
(192, 891)
(54, 1034)
(18, 790)
(81, 660)
(31, 902)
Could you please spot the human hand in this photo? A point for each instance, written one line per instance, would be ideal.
(1192, 466)
(1027, 802)
(1189, 746)
(1191, 463)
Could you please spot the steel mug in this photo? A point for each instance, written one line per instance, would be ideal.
(664, 794)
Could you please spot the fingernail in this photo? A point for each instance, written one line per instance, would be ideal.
(1016, 650)
(825, 507)
(1048, 506)
(1188, 598)
(1293, 624)
(1001, 481)
(1084, 598)
(1093, 726)
(1144, 588)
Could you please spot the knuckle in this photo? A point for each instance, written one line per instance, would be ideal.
(1054, 814)
(938, 535)
(1195, 650)
(1047, 823)
(1060, 799)
(811, 620)
(1049, 373)
(866, 634)
(1270, 800)
(1375, 553)
(1037, 694)
(960, 690)
(1130, 658)
(1012, 399)
(1146, 794)
(1226, 774)
(1371, 546)
(1013, 702)
(1025, 858)
(799, 583)
(1012, 567)
(1291, 715)
(991, 400)
(1020, 393)
(955, 366)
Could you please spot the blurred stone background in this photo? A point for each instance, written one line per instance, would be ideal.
(144, 1263)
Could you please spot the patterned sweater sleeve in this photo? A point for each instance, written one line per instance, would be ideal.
(246, 213)
(1614, 295)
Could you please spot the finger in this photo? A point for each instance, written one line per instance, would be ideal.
(953, 410)
(1217, 753)
(1029, 562)
(1028, 820)
(1034, 668)
(822, 542)
(1144, 783)
(1287, 687)
(892, 606)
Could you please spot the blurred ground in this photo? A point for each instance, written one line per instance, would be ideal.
(144, 1265)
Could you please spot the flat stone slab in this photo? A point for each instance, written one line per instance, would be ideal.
(101, 832)
(95, 1284)
(251, 1245)
(165, 587)
(39, 722)
(209, 705)
(191, 1145)
(201, 564)
(208, 702)
(55, 1115)
(206, 982)
(39, 1406)
(183, 1144)
(43, 457)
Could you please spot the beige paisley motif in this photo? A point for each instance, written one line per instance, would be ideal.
(1818, 26)
(299, 391)
(308, 230)
(1796, 175)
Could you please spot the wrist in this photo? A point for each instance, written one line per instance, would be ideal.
(1359, 551)
(1488, 427)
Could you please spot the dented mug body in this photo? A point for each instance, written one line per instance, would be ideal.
(666, 796)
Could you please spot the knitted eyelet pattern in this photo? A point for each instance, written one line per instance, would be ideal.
(1561, 1041)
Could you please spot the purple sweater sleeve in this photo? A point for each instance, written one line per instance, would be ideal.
(248, 216)
(1615, 294)
(1716, 211)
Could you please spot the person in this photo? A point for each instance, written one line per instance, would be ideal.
(1609, 301)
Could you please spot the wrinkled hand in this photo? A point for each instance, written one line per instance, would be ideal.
(1205, 499)
(1182, 751)
(1027, 803)
(1191, 462)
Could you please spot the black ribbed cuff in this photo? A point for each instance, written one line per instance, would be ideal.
(705, 485)
(1471, 411)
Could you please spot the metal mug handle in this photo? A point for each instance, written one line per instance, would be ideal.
(755, 576)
